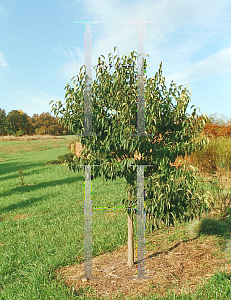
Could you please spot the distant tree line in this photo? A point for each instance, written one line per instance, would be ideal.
(19, 123)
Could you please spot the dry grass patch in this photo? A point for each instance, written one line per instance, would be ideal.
(29, 137)
(19, 217)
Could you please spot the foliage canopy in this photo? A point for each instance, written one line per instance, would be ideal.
(175, 133)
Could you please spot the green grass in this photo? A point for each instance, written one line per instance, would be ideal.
(51, 233)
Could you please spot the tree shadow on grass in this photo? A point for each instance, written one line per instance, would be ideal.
(30, 188)
(210, 226)
(19, 205)
(206, 226)
(11, 167)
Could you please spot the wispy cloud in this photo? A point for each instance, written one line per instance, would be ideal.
(3, 61)
(3, 12)
(76, 60)
(38, 103)
(215, 64)
(169, 17)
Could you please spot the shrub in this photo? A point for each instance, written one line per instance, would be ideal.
(61, 159)
(20, 133)
(11, 132)
(53, 162)
(66, 157)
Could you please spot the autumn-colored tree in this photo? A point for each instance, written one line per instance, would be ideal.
(30, 128)
(216, 127)
(25, 123)
(46, 124)
(170, 194)
(18, 122)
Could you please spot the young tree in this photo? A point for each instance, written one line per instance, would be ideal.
(175, 133)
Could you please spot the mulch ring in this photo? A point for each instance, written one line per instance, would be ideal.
(186, 264)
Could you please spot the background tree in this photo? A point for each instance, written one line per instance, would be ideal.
(25, 125)
(217, 127)
(18, 120)
(46, 124)
(14, 121)
(19, 123)
(167, 197)
(30, 127)
(3, 122)
(218, 119)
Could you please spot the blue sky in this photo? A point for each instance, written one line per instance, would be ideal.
(42, 48)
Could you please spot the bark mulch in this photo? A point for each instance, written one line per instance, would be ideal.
(180, 268)
(184, 264)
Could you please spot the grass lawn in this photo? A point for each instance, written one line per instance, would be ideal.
(42, 223)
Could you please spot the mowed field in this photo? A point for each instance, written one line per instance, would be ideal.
(42, 226)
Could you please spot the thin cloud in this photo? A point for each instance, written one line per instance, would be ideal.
(39, 100)
(167, 15)
(3, 61)
(3, 12)
(215, 64)
(160, 37)
(76, 60)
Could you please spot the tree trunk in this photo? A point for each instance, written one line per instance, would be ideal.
(130, 240)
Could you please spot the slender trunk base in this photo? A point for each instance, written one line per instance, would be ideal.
(130, 262)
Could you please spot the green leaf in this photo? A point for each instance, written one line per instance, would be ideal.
(117, 92)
